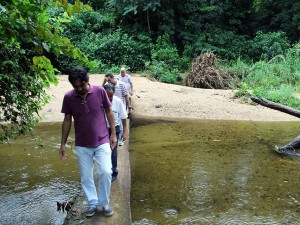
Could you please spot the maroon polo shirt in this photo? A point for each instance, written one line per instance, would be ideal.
(89, 116)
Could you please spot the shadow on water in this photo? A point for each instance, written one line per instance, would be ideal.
(33, 178)
(213, 172)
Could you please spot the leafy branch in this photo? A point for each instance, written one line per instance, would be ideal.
(28, 36)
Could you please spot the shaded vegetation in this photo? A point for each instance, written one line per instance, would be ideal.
(164, 38)
(29, 38)
(277, 79)
(256, 43)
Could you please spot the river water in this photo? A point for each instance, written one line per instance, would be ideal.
(213, 172)
(183, 172)
(33, 178)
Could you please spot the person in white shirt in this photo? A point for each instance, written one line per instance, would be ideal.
(121, 92)
(127, 79)
(120, 116)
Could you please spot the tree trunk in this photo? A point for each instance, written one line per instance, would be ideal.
(276, 106)
(293, 144)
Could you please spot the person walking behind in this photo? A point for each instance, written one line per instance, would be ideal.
(120, 87)
(120, 116)
(88, 104)
(127, 79)
(121, 92)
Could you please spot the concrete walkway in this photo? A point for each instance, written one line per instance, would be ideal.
(120, 198)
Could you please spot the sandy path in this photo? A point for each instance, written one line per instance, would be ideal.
(166, 100)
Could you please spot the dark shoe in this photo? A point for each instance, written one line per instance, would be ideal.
(108, 211)
(90, 211)
(113, 178)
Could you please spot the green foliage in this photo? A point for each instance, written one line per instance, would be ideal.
(162, 72)
(225, 44)
(277, 79)
(244, 91)
(175, 32)
(93, 33)
(165, 62)
(266, 46)
(118, 49)
(166, 52)
(131, 52)
(167, 35)
(90, 22)
(283, 94)
(237, 68)
(28, 35)
(171, 77)
(279, 16)
(134, 6)
(276, 72)
(115, 69)
(65, 63)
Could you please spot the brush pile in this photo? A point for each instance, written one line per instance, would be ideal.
(205, 74)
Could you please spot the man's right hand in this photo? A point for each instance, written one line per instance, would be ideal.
(62, 153)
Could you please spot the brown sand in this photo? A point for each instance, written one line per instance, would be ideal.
(155, 99)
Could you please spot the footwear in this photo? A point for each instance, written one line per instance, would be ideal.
(108, 211)
(121, 142)
(90, 211)
(113, 178)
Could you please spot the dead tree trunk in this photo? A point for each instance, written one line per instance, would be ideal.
(276, 106)
(293, 144)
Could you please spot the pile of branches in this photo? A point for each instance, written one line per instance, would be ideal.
(205, 74)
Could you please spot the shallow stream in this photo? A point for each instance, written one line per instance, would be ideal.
(213, 172)
(184, 172)
(33, 178)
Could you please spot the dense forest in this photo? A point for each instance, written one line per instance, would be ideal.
(175, 32)
(255, 42)
(137, 33)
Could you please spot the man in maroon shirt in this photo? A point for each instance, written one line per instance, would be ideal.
(88, 105)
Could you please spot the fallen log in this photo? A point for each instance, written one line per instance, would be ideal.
(276, 106)
(289, 148)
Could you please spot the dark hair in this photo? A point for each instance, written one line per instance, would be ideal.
(78, 73)
(109, 74)
(109, 87)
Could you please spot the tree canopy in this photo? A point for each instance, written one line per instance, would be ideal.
(29, 36)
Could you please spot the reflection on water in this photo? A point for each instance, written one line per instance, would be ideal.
(33, 178)
(213, 172)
